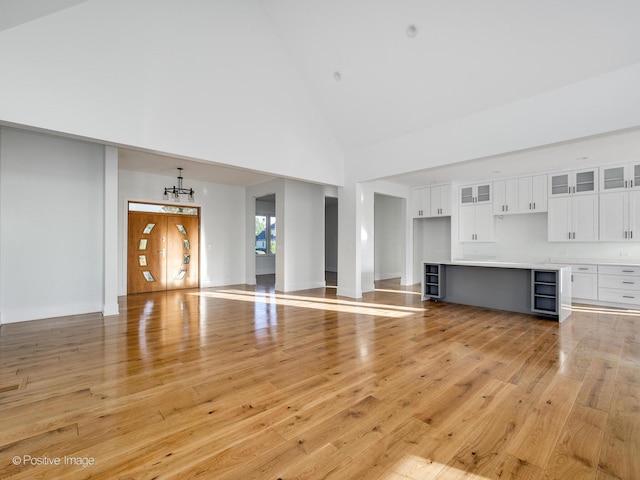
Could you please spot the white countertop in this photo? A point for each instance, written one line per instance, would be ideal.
(630, 261)
(498, 264)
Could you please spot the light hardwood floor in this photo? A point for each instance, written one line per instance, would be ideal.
(242, 382)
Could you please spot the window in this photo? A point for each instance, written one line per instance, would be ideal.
(265, 235)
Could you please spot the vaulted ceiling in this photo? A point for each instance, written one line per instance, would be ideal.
(466, 55)
(379, 70)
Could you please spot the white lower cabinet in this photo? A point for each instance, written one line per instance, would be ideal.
(584, 282)
(619, 284)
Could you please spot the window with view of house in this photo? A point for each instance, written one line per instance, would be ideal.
(265, 235)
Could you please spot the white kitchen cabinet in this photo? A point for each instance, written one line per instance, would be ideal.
(479, 193)
(584, 282)
(421, 202)
(431, 201)
(441, 201)
(619, 177)
(532, 194)
(619, 284)
(573, 219)
(505, 197)
(619, 216)
(476, 223)
(578, 182)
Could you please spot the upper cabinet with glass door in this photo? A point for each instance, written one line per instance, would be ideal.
(619, 177)
(480, 193)
(577, 182)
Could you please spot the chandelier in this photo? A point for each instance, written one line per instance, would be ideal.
(175, 192)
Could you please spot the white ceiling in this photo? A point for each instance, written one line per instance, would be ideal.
(16, 12)
(467, 56)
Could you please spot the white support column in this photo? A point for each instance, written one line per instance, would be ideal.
(350, 240)
(110, 294)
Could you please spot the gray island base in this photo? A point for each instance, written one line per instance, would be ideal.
(516, 287)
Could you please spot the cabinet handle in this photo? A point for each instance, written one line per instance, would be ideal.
(574, 235)
(625, 184)
(629, 283)
(569, 235)
(625, 234)
(628, 271)
(628, 296)
(507, 207)
(534, 205)
(529, 206)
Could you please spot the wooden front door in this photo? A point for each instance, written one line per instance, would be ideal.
(162, 252)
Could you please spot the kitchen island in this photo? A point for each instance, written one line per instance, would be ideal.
(538, 289)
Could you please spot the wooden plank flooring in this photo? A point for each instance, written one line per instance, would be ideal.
(243, 382)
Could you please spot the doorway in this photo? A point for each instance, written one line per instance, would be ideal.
(388, 237)
(265, 240)
(331, 241)
(163, 247)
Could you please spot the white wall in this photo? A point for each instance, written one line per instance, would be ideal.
(51, 226)
(389, 225)
(524, 238)
(304, 236)
(133, 72)
(432, 242)
(222, 229)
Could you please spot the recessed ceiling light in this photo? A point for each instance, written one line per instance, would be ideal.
(412, 31)
(337, 76)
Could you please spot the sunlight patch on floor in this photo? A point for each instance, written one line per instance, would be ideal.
(312, 302)
(414, 467)
(406, 292)
(604, 310)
